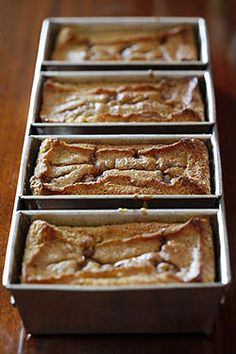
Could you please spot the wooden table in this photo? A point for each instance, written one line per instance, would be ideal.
(19, 32)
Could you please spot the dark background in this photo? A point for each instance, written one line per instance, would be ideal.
(20, 22)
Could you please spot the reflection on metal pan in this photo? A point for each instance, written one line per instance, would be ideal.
(115, 309)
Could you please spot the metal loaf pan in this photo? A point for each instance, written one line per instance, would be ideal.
(160, 308)
(28, 201)
(205, 84)
(52, 25)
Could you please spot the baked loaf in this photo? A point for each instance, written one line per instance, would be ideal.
(64, 167)
(163, 100)
(167, 43)
(125, 254)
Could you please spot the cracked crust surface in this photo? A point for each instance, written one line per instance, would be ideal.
(63, 167)
(121, 254)
(167, 100)
(173, 43)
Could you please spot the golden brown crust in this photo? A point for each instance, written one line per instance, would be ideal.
(167, 100)
(125, 254)
(181, 167)
(168, 44)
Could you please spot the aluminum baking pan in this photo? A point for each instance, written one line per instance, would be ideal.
(52, 25)
(162, 308)
(28, 201)
(206, 88)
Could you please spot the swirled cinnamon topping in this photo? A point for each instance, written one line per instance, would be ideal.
(123, 254)
(173, 43)
(160, 100)
(181, 167)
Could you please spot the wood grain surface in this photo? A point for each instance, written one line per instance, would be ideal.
(20, 23)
